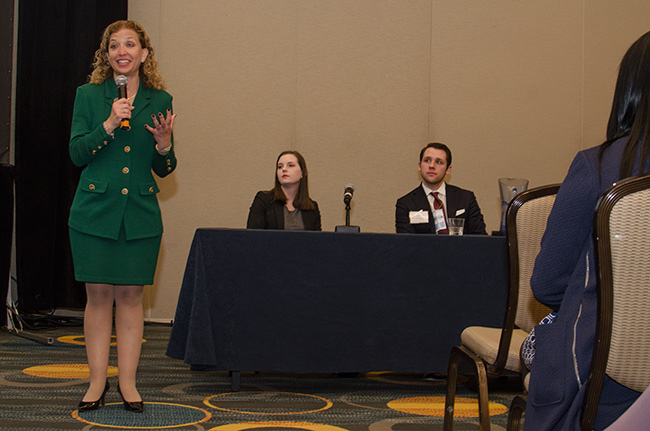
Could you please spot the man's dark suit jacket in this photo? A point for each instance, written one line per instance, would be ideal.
(460, 203)
(265, 213)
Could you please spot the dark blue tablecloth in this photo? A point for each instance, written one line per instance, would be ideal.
(255, 300)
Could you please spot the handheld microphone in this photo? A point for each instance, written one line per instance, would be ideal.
(120, 82)
(347, 194)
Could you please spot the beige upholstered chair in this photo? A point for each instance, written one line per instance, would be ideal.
(493, 350)
(622, 239)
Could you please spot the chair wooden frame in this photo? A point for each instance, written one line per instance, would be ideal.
(482, 368)
(518, 403)
(516, 412)
(605, 292)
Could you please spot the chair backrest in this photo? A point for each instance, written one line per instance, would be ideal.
(526, 219)
(622, 247)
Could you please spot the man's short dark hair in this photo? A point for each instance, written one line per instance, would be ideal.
(437, 146)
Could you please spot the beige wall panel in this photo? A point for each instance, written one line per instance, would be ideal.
(362, 104)
(231, 68)
(359, 86)
(506, 92)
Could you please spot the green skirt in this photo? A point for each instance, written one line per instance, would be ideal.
(103, 260)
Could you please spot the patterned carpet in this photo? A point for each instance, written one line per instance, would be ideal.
(41, 385)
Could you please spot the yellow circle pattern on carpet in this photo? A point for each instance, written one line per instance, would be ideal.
(279, 424)
(435, 406)
(64, 371)
(215, 399)
(80, 340)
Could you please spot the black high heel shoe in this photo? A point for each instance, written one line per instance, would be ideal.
(132, 406)
(85, 406)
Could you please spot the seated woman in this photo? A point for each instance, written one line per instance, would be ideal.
(288, 205)
(564, 277)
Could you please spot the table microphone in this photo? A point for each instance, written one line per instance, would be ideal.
(347, 194)
(347, 197)
(120, 82)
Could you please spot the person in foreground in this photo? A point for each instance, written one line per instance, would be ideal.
(115, 222)
(564, 276)
(427, 208)
(287, 206)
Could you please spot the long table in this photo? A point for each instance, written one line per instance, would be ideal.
(327, 302)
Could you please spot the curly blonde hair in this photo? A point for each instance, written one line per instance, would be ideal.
(148, 69)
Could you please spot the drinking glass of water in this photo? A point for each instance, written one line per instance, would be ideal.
(456, 226)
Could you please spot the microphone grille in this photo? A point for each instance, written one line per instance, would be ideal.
(121, 80)
(349, 185)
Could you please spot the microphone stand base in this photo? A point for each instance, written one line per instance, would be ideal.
(347, 229)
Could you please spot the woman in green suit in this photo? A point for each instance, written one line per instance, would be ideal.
(115, 222)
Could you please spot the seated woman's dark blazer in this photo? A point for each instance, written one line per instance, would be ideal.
(268, 214)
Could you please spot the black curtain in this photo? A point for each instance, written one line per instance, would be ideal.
(6, 226)
(56, 43)
(6, 169)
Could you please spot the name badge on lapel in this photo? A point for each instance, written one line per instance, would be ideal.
(419, 217)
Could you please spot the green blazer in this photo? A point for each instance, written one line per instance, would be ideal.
(117, 185)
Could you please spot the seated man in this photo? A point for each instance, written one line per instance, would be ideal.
(427, 208)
